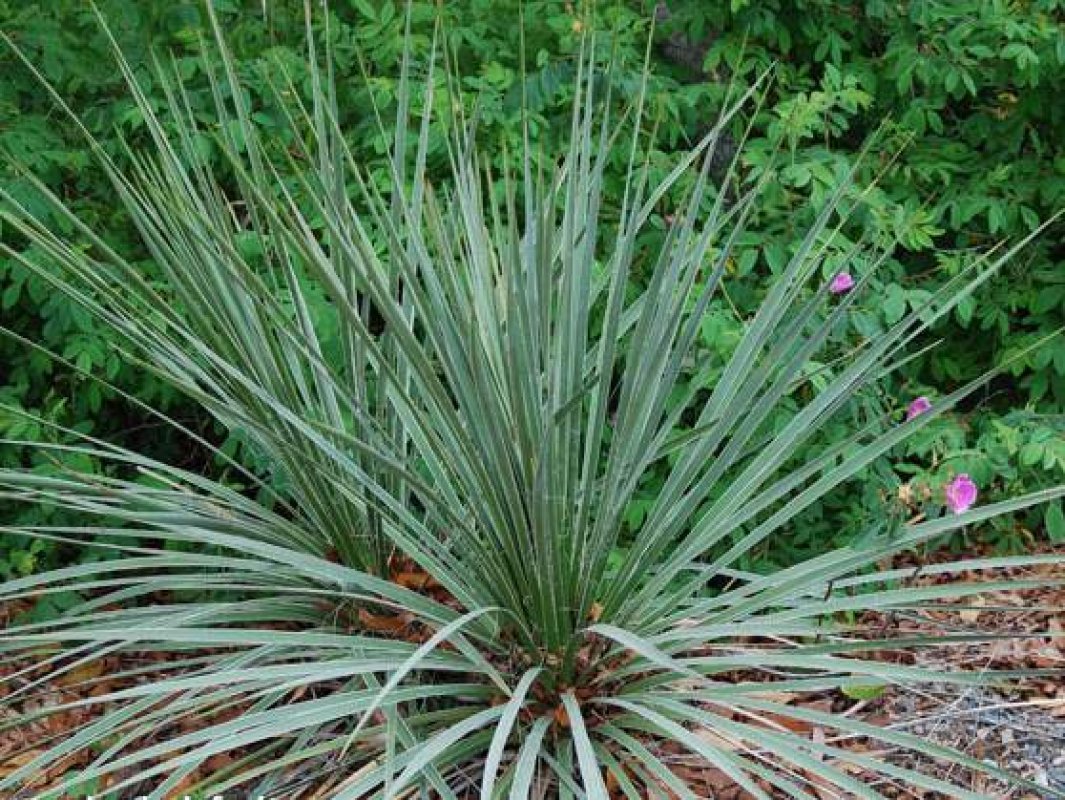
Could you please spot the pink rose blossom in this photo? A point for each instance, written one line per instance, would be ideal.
(918, 407)
(960, 493)
(841, 284)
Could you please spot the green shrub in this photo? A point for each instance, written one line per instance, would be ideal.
(983, 164)
(461, 373)
(970, 86)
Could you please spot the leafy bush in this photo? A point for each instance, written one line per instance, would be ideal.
(982, 165)
(967, 85)
(458, 394)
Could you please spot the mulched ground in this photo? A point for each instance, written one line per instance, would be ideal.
(1021, 728)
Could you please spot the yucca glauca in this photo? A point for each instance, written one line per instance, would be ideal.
(427, 597)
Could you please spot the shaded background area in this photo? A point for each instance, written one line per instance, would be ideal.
(967, 95)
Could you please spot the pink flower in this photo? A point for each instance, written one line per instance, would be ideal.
(918, 407)
(841, 284)
(960, 493)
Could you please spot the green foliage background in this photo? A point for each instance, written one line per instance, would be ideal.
(966, 93)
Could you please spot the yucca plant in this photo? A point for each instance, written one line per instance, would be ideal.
(434, 593)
